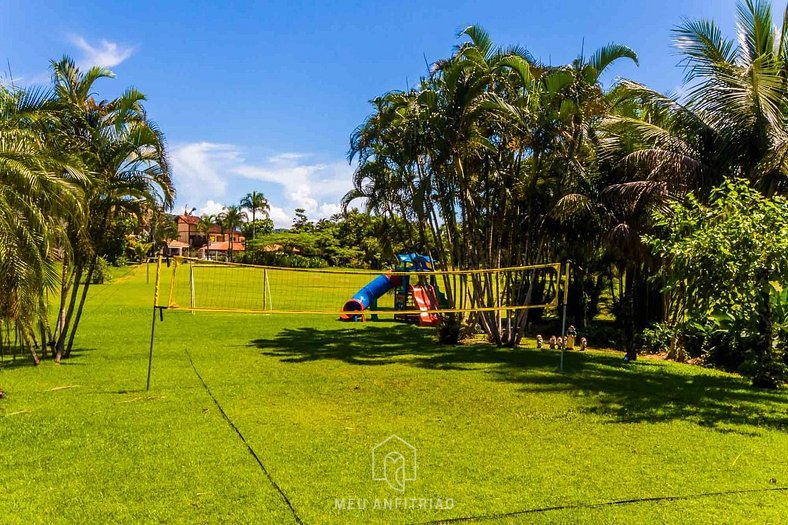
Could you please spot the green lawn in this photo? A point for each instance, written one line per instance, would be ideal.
(496, 431)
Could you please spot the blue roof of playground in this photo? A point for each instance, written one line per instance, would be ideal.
(414, 257)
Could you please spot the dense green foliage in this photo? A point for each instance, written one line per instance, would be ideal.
(75, 173)
(352, 239)
(723, 265)
(492, 160)
(496, 159)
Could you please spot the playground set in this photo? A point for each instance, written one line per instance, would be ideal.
(410, 295)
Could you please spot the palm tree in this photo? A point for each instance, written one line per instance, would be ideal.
(141, 250)
(124, 152)
(232, 218)
(729, 124)
(39, 191)
(476, 157)
(256, 202)
(204, 226)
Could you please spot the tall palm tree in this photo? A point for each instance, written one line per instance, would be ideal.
(479, 153)
(125, 153)
(729, 124)
(204, 226)
(255, 202)
(39, 191)
(731, 121)
(232, 218)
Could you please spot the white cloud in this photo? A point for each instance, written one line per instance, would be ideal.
(211, 208)
(199, 168)
(206, 172)
(312, 186)
(286, 157)
(105, 54)
(281, 218)
(301, 196)
(328, 210)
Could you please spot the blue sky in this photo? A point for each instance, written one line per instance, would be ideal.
(264, 95)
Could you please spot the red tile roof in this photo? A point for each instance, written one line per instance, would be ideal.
(225, 246)
(188, 219)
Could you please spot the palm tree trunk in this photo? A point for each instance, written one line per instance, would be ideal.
(85, 289)
(98, 244)
(628, 309)
(32, 350)
(59, 346)
(65, 285)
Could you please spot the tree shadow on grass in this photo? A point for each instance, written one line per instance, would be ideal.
(21, 361)
(370, 345)
(644, 391)
(24, 360)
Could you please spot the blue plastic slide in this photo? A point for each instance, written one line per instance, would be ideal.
(364, 297)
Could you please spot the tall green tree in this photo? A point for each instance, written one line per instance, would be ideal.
(256, 202)
(731, 121)
(726, 264)
(124, 153)
(40, 190)
(231, 219)
(729, 124)
(477, 157)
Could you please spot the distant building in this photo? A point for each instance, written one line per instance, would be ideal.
(187, 230)
(216, 242)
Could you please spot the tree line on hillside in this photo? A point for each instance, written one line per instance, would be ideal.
(349, 239)
(497, 159)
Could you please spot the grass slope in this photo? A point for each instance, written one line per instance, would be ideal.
(497, 431)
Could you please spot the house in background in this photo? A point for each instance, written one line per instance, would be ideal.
(220, 243)
(187, 230)
(176, 247)
(217, 244)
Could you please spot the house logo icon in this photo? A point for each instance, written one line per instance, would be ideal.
(394, 461)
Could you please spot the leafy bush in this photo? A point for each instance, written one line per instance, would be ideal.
(723, 266)
(450, 329)
(284, 260)
(101, 272)
(656, 338)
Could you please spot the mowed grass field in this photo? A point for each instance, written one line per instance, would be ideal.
(499, 432)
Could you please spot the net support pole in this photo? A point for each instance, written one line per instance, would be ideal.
(191, 287)
(563, 319)
(265, 288)
(153, 320)
(267, 291)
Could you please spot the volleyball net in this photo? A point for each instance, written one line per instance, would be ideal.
(203, 285)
